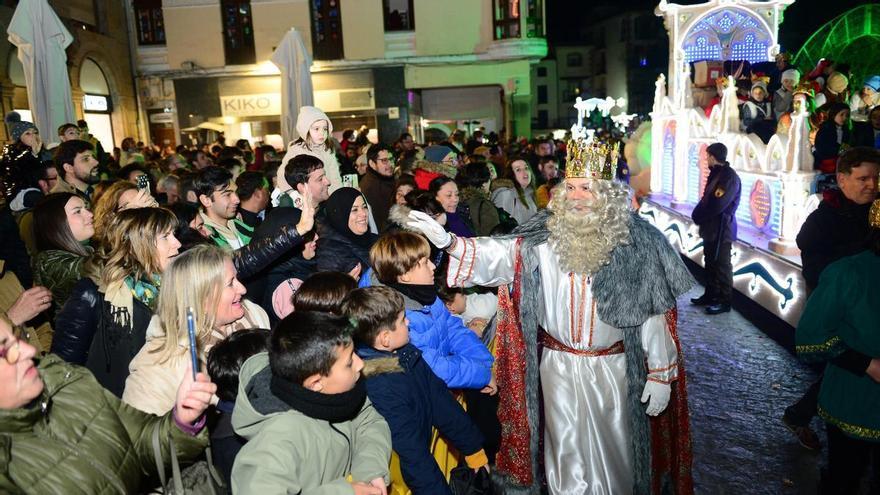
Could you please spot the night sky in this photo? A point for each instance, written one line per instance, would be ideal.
(802, 19)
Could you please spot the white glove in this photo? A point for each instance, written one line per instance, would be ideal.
(658, 393)
(427, 226)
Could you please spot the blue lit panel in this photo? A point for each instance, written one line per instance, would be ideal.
(727, 34)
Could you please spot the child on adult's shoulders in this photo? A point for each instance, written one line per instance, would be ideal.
(305, 413)
(406, 392)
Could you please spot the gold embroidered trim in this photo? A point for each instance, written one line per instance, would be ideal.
(855, 430)
(823, 347)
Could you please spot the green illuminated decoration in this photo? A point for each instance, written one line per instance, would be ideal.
(852, 37)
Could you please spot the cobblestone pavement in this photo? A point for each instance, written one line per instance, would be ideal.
(739, 383)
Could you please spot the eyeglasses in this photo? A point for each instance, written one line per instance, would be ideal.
(10, 350)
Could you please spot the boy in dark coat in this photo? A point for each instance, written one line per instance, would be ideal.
(406, 392)
(715, 214)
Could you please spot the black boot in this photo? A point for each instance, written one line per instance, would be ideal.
(703, 300)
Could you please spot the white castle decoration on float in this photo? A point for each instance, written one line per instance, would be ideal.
(776, 176)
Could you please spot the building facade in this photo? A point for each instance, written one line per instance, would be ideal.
(99, 67)
(393, 65)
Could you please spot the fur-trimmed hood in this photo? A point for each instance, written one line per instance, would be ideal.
(469, 193)
(439, 168)
(380, 366)
(399, 215)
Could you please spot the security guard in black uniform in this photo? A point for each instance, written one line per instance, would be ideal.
(715, 215)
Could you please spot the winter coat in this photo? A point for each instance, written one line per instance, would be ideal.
(505, 196)
(412, 400)
(16, 165)
(263, 251)
(86, 334)
(13, 250)
(58, 271)
(837, 228)
(83, 439)
(453, 351)
(715, 214)
(379, 191)
(482, 212)
(152, 383)
(261, 284)
(336, 252)
(289, 452)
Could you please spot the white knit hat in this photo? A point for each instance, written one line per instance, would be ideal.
(307, 116)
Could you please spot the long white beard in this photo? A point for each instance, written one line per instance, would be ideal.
(583, 240)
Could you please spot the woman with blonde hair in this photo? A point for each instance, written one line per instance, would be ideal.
(103, 324)
(204, 279)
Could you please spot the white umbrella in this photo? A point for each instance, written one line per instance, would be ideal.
(41, 39)
(295, 63)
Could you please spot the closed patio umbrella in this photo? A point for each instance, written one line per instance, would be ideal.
(295, 63)
(41, 39)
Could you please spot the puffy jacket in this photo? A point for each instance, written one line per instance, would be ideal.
(337, 253)
(78, 438)
(260, 253)
(58, 271)
(289, 452)
(16, 163)
(453, 352)
(85, 333)
(412, 400)
(505, 196)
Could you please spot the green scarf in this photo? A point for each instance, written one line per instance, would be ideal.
(144, 291)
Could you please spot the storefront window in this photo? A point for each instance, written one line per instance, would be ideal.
(149, 21)
(507, 19)
(399, 15)
(327, 29)
(238, 32)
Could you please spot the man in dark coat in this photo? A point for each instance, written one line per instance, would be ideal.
(378, 184)
(715, 214)
(838, 228)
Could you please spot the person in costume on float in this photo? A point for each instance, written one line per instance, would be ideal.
(602, 284)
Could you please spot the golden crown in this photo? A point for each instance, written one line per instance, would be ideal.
(874, 214)
(591, 159)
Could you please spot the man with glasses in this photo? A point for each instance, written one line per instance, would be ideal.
(378, 183)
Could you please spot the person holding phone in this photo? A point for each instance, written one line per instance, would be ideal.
(204, 279)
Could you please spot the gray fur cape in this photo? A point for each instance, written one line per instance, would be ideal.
(643, 279)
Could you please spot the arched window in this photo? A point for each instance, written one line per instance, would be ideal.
(728, 34)
(97, 105)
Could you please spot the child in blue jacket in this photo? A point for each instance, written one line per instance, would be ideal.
(401, 261)
(405, 391)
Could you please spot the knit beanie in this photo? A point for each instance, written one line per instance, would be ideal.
(791, 75)
(436, 153)
(873, 82)
(307, 116)
(17, 127)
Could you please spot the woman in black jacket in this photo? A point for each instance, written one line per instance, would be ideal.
(103, 323)
(344, 240)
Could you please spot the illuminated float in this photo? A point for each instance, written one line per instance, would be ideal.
(776, 176)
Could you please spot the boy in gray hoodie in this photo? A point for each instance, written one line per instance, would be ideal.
(304, 411)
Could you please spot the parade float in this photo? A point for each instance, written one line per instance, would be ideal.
(776, 176)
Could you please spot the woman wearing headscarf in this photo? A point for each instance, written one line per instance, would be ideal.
(344, 239)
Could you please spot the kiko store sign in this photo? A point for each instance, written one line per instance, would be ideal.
(266, 104)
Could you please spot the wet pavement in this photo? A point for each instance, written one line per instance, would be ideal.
(739, 383)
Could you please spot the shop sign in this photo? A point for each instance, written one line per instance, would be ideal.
(95, 103)
(162, 118)
(250, 105)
